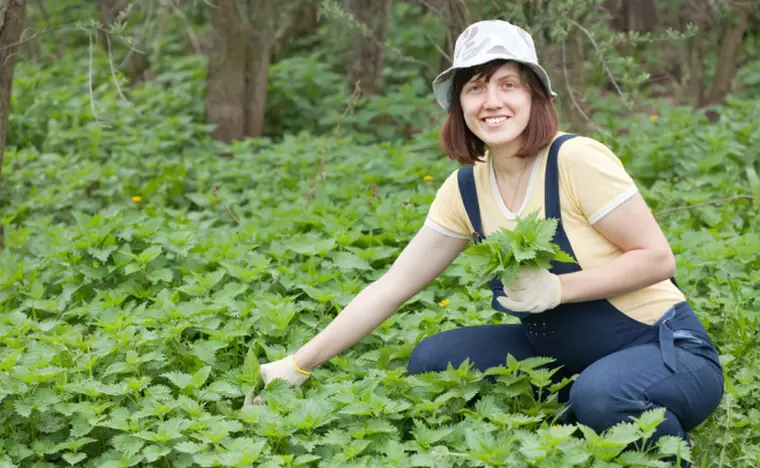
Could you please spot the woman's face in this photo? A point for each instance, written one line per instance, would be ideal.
(497, 111)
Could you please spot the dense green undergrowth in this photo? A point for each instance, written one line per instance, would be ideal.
(148, 270)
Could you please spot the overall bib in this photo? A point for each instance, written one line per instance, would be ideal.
(579, 334)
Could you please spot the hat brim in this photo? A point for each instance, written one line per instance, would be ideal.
(443, 83)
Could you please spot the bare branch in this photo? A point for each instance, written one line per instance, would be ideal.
(89, 82)
(36, 35)
(601, 57)
(709, 202)
(571, 93)
(321, 170)
(438, 48)
(113, 71)
(190, 32)
(138, 38)
(224, 203)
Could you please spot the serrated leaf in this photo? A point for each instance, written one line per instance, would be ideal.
(127, 444)
(154, 452)
(189, 447)
(350, 261)
(149, 254)
(163, 274)
(74, 458)
(200, 377)
(179, 379)
(675, 446)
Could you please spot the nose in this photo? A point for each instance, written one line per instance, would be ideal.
(493, 101)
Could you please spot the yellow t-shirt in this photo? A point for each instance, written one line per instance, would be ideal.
(593, 182)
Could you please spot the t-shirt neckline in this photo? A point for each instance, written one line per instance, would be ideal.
(497, 196)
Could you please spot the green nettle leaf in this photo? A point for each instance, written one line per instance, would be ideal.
(189, 447)
(162, 274)
(250, 369)
(504, 252)
(350, 261)
(127, 444)
(73, 458)
(200, 377)
(179, 379)
(154, 452)
(674, 446)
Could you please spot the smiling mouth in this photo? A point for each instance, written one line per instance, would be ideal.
(495, 120)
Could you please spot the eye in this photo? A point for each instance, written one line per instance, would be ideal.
(509, 85)
(474, 88)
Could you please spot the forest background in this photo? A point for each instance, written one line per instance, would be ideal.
(189, 188)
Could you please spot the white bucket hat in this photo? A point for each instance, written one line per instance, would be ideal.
(482, 42)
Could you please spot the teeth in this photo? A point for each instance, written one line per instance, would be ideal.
(495, 120)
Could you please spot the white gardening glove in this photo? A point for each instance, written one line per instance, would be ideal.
(284, 369)
(534, 290)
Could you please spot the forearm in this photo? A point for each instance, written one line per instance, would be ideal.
(629, 272)
(362, 315)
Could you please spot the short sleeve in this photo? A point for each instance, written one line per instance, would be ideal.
(447, 215)
(595, 179)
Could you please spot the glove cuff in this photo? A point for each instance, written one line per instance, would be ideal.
(295, 366)
(557, 298)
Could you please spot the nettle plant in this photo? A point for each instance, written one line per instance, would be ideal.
(505, 252)
(145, 279)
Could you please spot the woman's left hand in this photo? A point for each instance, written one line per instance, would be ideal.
(534, 290)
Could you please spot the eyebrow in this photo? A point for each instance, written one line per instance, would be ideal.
(497, 78)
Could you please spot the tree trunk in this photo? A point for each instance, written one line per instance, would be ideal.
(696, 67)
(226, 72)
(238, 72)
(632, 15)
(263, 26)
(12, 15)
(367, 66)
(730, 48)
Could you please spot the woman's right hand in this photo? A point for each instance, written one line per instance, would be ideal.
(284, 369)
(426, 256)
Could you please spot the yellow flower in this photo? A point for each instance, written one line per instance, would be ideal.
(427, 178)
(136, 198)
(654, 117)
(444, 303)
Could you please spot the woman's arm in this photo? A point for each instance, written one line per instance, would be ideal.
(426, 256)
(647, 258)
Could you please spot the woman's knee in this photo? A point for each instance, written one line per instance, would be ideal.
(425, 356)
(601, 403)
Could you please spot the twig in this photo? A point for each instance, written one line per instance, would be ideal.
(572, 94)
(190, 33)
(321, 171)
(89, 83)
(138, 38)
(46, 17)
(113, 71)
(437, 47)
(709, 202)
(216, 194)
(36, 35)
(431, 7)
(601, 57)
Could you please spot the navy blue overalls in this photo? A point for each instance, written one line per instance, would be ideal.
(579, 334)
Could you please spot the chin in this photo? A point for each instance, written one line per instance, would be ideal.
(507, 140)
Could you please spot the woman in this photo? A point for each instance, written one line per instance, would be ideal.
(616, 317)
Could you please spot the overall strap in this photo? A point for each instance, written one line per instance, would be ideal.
(466, 180)
(551, 186)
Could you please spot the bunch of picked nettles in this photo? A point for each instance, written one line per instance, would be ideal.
(504, 252)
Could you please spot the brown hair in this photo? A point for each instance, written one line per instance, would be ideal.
(465, 147)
